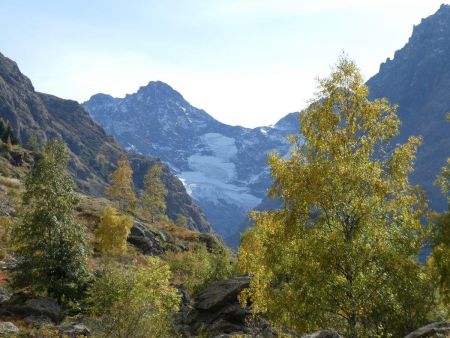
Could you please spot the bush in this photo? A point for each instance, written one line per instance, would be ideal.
(198, 267)
(135, 302)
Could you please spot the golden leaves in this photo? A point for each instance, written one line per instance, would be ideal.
(121, 188)
(349, 215)
(112, 232)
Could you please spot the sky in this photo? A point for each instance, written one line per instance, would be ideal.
(245, 62)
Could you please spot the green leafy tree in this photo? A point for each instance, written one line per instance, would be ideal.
(112, 232)
(440, 258)
(198, 267)
(121, 188)
(154, 194)
(343, 250)
(34, 144)
(133, 302)
(51, 247)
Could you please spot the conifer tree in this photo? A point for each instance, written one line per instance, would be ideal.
(121, 189)
(113, 231)
(7, 133)
(343, 251)
(50, 245)
(2, 129)
(154, 194)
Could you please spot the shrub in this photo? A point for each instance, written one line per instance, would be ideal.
(198, 267)
(135, 302)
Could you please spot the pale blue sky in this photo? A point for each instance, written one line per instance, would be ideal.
(246, 62)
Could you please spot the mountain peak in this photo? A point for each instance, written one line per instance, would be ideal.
(444, 7)
(429, 38)
(159, 89)
(10, 72)
(159, 85)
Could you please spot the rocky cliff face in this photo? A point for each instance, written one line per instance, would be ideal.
(94, 153)
(418, 80)
(222, 167)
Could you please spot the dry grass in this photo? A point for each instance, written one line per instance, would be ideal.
(4, 278)
(9, 182)
(181, 233)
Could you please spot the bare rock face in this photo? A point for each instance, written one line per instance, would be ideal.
(433, 330)
(417, 79)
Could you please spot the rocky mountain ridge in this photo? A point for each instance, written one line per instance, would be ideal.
(222, 167)
(36, 117)
(417, 79)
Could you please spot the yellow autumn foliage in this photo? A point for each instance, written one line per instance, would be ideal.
(112, 232)
(343, 250)
(121, 188)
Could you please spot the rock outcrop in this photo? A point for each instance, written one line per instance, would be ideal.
(42, 308)
(73, 330)
(217, 312)
(8, 328)
(36, 117)
(323, 334)
(147, 241)
(433, 330)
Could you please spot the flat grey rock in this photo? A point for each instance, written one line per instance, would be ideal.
(433, 330)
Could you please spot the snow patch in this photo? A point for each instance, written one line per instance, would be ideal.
(213, 167)
(131, 148)
(201, 187)
(222, 146)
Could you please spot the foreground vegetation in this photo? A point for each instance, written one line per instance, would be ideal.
(343, 252)
(74, 248)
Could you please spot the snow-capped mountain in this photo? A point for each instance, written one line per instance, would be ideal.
(222, 167)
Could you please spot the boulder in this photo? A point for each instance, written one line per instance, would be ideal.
(21, 306)
(323, 334)
(221, 293)
(5, 295)
(217, 311)
(433, 330)
(148, 242)
(37, 321)
(7, 328)
(74, 330)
